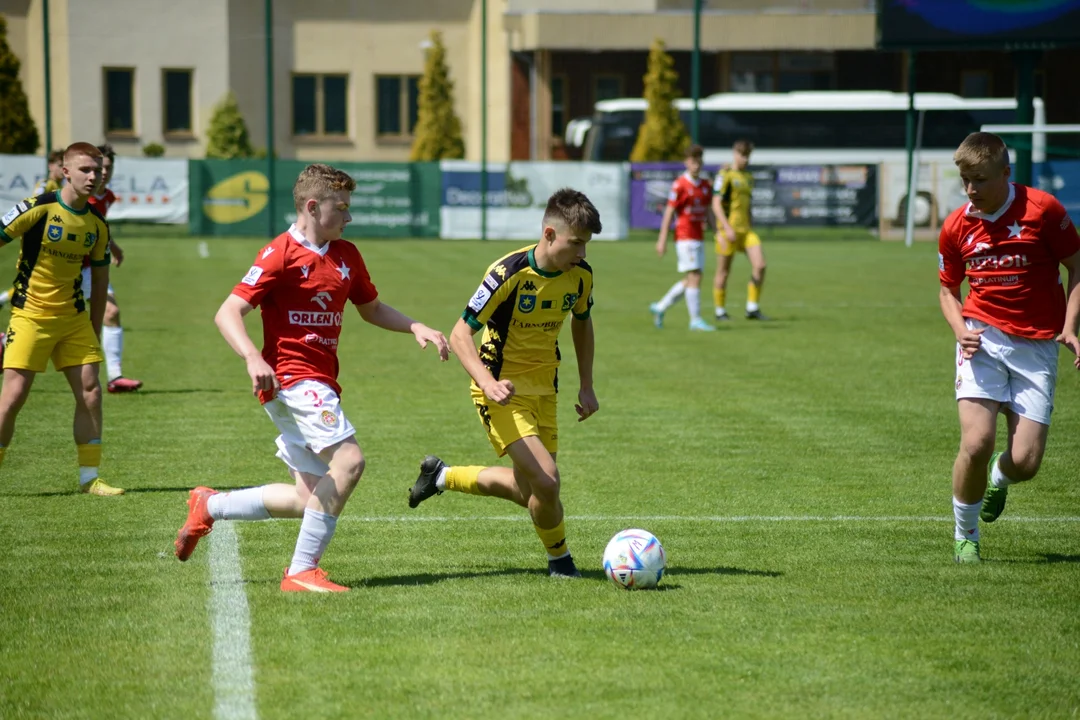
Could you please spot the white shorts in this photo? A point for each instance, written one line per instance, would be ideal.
(691, 255)
(86, 285)
(308, 416)
(1011, 370)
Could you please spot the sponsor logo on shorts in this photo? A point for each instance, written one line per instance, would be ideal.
(328, 418)
(253, 275)
(959, 382)
(315, 319)
(479, 299)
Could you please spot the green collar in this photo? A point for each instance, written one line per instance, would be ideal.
(536, 268)
(71, 210)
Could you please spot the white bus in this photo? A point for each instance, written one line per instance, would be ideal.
(823, 128)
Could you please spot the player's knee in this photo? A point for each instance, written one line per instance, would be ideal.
(978, 448)
(349, 462)
(1026, 462)
(545, 485)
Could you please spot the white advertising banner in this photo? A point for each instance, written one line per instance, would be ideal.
(147, 189)
(517, 194)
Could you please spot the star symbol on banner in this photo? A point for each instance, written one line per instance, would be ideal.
(344, 270)
(1015, 229)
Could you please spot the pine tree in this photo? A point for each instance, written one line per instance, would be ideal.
(228, 132)
(18, 133)
(662, 136)
(438, 129)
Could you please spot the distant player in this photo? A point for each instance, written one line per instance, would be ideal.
(688, 202)
(731, 205)
(302, 281)
(112, 334)
(521, 305)
(55, 178)
(50, 316)
(1008, 242)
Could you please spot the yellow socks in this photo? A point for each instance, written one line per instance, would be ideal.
(89, 461)
(753, 292)
(554, 540)
(463, 479)
(718, 297)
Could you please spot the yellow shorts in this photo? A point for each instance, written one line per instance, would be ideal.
(523, 416)
(67, 341)
(742, 241)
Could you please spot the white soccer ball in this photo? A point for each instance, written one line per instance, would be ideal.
(634, 559)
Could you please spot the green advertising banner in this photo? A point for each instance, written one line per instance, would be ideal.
(232, 197)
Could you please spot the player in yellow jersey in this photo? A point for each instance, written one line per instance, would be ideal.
(50, 316)
(521, 305)
(731, 206)
(55, 178)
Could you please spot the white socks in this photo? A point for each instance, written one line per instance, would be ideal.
(693, 303)
(997, 477)
(967, 520)
(244, 504)
(752, 306)
(673, 296)
(112, 341)
(440, 482)
(316, 531)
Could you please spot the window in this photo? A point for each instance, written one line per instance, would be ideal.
(397, 105)
(120, 101)
(607, 87)
(320, 105)
(558, 105)
(176, 95)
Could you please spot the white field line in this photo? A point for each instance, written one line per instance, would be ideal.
(233, 678)
(705, 518)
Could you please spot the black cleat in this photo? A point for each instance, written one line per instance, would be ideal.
(756, 315)
(424, 487)
(563, 567)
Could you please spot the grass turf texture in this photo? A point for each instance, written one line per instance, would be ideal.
(840, 407)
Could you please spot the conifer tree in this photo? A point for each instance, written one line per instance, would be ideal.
(18, 132)
(438, 129)
(662, 136)
(228, 134)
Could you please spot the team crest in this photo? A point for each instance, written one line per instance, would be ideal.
(328, 418)
(526, 303)
(55, 233)
(568, 301)
(91, 238)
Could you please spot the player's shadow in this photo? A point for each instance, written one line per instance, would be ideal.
(676, 571)
(1056, 558)
(432, 578)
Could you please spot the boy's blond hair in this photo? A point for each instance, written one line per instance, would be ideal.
(743, 146)
(980, 148)
(317, 182)
(574, 210)
(81, 148)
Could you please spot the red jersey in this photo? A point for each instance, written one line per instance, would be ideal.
(301, 291)
(691, 200)
(103, 202)
(1011, 261)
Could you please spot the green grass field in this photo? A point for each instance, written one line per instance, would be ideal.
(797, 473)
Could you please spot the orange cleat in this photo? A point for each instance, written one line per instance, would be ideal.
(199, 523)
(123, 384)
(313, 580)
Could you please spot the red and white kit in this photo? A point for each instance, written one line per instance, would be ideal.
(301, 292)
(101, 203)
(1011, 260)
(691, 200)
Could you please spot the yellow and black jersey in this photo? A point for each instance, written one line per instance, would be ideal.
(735, 188)
(55, 239)
(47, 185)
(521, 309)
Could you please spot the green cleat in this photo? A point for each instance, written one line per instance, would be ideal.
(994, 499)
(967, 551)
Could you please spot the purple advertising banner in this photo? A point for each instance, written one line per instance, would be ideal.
(803, 195)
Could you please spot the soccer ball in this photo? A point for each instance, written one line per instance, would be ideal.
(634, 559)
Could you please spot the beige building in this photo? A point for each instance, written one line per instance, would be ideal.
(345, 72)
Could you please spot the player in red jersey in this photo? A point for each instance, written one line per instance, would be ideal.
(112, 333)
(301, 281)
(689, 202)
(1008, 242)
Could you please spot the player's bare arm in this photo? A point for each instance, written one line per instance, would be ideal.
(380, 314)
(665, 225)
(728, 234)
(230, 322)
(953, 310)
(99, 290)
(464, 346)
(116, 252)
(584, 348)
(1068, 336)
